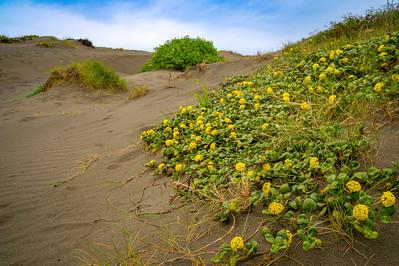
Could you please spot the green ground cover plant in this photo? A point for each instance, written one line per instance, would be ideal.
(294, 139)
(181, 53)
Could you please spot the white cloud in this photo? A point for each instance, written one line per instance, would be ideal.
(129, 28)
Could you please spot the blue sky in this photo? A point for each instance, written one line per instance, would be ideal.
(242, 26)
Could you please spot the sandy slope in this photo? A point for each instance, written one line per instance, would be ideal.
(68, 156)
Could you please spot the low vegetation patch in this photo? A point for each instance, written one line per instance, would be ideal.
(181, 53)
(88, 74)
(5, 39)
(290, 139)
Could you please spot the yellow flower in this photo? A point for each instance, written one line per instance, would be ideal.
(308, 79)
(210, 165)
(167, 129)
(198, 138)
(266, 167)
(383, 54)
(237, 243)
(266, 187)
(323, 59)
(305, 106)
(332, 99)
(383, 65)
(242, 101)
(378, 87)
(165, 122)
(330, 70)
(257, 98)
(275, 208)
(315, 66)
(256, 106)
(320, 89)
(240, 167)
(227, 120)
(250, 173)
(212, 146)
(237, 93)
(169, 142)
(192, 146)
(322, 76)
(208, 130)
(288, 163)
(348, 46)
(175, 134)
(214, 132)
(353, 186)
(360, 212)
(332, 54)
(242, 106)
(198, 158)
(388, 199)
(265, 125)
(395, 77)
(233, 135)
(182, 126)
(229, 95)
(161, 166)
(230, 126)
(269, 90)
(289, 237)
(222, 101)
(345, 60)
(314, 162)
(286, 97)
(183, 109)
(338, 52)
(381, 48)
(178, 167)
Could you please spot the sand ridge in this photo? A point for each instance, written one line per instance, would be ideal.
(67, 155)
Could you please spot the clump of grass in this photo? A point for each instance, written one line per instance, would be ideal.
(137, 92)
(39, 89)
(45, 44)
(88, 74)
(6, 39)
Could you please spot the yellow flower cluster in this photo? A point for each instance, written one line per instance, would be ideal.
(381, 48)
(170, 142)
(360, 212)
(161, 166)
(378, 86)
(353, 186)
(237, 243)
(322, 76)
(245, 83)
(314, 162)
(266, 187)
(240, 167)
(305, 106)
(315, 66)
(332, 99)
(147, 133)
(286, 97)
(266, 167)
(233, 135)
(275, 208)
(212, 146)
(269, 90)
(265, 125)
(288, 163)
(308, 79)
(388, 199)
(289, 237)
(178, 167)
(395, 77)
(198, 158)
(345, 60)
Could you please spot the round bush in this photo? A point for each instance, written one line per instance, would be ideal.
(181, 53)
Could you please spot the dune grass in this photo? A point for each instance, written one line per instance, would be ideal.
(88, 74)
(375, 23)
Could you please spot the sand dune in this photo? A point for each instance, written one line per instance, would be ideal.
(66, 154)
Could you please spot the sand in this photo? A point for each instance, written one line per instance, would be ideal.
(72, 167)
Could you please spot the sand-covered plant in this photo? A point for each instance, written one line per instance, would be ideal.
(88, 74)
(181, 53)
(293, 139)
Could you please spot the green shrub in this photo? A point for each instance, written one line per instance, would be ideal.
(181, 53)
(5, 39)
(86, 42)
(88, 74)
